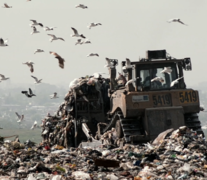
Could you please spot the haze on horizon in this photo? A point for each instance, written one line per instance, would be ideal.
(129, 28)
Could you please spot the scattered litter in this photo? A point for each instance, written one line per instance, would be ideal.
(180, 154)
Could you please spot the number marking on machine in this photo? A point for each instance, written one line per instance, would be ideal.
(162, 100)
(188, 97)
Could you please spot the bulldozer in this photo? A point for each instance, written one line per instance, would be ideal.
(153, 98)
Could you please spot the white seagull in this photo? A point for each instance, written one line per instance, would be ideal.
(109, 63)
(175, 82)
(176, 20)
(93, 25)
(3, 42)
(76, 33)
(38, 51)
(81, 6)
(166, 70)
(53, 96)
(34, 30)
(92, 54)
(49, 28)
(30, 64)
(6, 6)
(157, 79)
(3, 78)
(128, 64)
(132, 81)
(37, 81)
(34, 125)
(20, 117)
(35, 23)
(54, 37)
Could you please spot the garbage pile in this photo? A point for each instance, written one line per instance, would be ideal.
(178, 154)
(59, 129)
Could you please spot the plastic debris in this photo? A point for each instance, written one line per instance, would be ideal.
(180, 154)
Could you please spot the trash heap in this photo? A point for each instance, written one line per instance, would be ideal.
(178, 154)
(59, 129)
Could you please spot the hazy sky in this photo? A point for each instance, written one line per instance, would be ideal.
(129, 28)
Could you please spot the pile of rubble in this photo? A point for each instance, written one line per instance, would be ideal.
(179, 154)
(59, 129)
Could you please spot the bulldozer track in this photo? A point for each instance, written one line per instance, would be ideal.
(130, 127)
(192, 121)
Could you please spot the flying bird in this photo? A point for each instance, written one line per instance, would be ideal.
(6, 6)
(30, 64)
(35, 23)
(53, 96)
(30, 94)
(132, 81)
(79, 41)
(175, 82)
(34, 30)
(3, 78)
(176, 20)
(157, 79)
(92, 54)
(60, 59)
(76, 33)
(20, 117)
(54, 37)
(93, 25)
(166, 70)
(81, 6)
(38, 51)
(86, 42)
(49, 28)
(3, 42)
(37, 81)
(34, 125)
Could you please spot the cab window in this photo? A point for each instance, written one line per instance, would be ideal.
(157, 76)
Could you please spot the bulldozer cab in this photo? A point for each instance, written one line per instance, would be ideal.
(151, 74)
(148, 73)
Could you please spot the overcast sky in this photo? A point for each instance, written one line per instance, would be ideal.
(129, 28)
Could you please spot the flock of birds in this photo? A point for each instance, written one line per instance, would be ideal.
(34, 25)
(110, 63)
